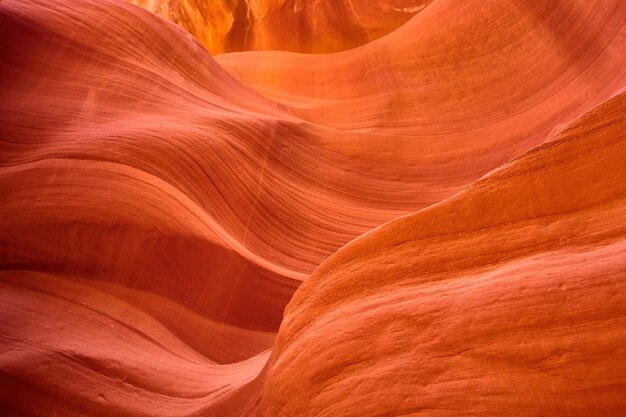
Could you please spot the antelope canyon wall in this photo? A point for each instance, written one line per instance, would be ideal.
(293, 25)
(312, 208)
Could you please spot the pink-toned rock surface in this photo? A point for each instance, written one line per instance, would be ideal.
(159, 208)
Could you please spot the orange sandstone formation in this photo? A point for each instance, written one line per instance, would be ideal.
(506, 299)
(292, 25)
(159, 208)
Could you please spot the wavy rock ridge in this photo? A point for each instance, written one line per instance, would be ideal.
(159, 208)
(525, 316)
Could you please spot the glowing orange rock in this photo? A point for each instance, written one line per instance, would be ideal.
(291, 25)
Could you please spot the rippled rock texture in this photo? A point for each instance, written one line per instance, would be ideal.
(425, 217)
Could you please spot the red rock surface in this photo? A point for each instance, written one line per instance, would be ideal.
(506, 299)
(159, 208)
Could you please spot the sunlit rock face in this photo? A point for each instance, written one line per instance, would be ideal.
(506, 299)
(429, 221)
(291, 25)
